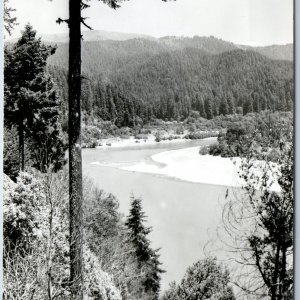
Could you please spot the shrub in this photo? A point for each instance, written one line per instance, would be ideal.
(204, 280)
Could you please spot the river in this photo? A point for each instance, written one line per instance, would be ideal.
(181, 213)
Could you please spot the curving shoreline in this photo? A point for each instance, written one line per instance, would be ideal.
(186, 164)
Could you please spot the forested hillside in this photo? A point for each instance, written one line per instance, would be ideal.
(135, 79)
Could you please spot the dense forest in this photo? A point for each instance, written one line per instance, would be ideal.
(135, 79)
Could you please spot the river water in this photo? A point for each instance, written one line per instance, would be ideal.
(182, 214)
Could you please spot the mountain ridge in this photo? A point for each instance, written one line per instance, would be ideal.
(206, 43)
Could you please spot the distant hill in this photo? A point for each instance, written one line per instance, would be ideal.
(166, 80)
(102, 56)
(94, 36)
(214, 45)
(282, 52)
(208, 44)
(89, 36)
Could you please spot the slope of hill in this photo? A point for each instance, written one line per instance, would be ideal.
(208, 44)
(280, 52)
(94, 36)
(102, 56)
(148, 79)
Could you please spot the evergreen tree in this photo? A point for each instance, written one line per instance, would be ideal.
(208, 109)
(231, 105)
(45, 135)
(201, 107)
(30, 98)
(223, 107)
(147, 258)
(248, 105)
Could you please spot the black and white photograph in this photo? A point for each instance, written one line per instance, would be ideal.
(148, 150)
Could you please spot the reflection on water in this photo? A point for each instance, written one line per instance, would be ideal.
(180, 213)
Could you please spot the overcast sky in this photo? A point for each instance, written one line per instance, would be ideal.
(251, 22)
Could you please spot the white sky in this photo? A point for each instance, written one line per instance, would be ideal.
(251, 22)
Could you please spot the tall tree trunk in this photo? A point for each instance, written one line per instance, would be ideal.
(274, 286)
(283, 274)
(75, 164)
(21, 145)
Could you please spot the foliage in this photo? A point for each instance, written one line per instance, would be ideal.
(136, 276)
(36, 233)
(11, 165)
(151, 80)
(31, 104)
(21, 206)
(204, 280)
(200, 135)
(258, 222)
(99, 285)
(271, 244)
(147, 258)
(260, 132)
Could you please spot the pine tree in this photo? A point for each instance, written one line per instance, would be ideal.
(45, 138)
(147, 258)
(248, 105)
(223, 107)
(30, 93)
(231, 105)
(208, 109)
(200, 106)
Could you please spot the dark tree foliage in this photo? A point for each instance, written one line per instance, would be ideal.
(31, 103)
(170, 83)
(204, 280)
(261, 131)
(46, 142)
(147, 258)
(10, 152)
(104, 101)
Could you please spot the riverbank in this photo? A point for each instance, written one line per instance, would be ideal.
(132, 142)
(188, 165)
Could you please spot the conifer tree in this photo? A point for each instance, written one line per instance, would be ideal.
(248, 105)
(208, 109)
(148, 259)
(230, 102)
(223, 107)
(45, 138)
(30, 98)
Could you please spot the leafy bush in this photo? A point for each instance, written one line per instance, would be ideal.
(158, 136)
(21, 205)
(204, 280)
(200, 135)
(204, 150)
